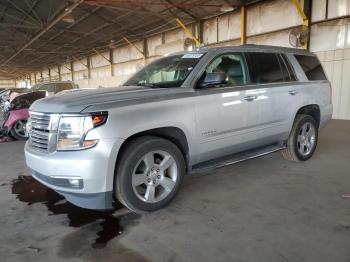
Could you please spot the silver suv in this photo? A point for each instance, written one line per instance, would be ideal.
(181, 114)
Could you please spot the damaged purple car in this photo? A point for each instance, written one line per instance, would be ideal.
(17, 114)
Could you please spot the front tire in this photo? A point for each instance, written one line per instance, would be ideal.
(149, 174)
(302, 140)
(18, 131)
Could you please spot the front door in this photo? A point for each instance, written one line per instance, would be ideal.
(220, 109)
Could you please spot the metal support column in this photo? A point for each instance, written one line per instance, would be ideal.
(72, 70)
(200, 29)
(135, 46)
(188, 32)
(49, 70)
(111, 60)
(305, 14)
(145, 50)
(308, 13)
(243, 25)
(59, 72)
(88, 66)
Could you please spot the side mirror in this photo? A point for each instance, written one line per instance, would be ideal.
(212, 79)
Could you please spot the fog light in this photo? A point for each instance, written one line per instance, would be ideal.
(69, 182)
(74, 182)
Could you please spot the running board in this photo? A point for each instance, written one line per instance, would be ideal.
(233, 159)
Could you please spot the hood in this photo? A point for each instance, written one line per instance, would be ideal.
(76, 102)
(25, 100)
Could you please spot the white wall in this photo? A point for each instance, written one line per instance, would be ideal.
(337, 66)
(331, 42)
(7, 83)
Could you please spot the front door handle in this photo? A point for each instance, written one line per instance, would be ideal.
(250, 98)
(293, 92)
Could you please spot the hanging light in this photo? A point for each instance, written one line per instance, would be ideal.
(68, 18)
(226, 8)
(112, 44)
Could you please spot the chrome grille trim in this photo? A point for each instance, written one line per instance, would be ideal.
(39, 133)
(36, 134)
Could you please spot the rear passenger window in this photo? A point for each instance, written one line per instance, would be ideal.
(264, 68)
(311, 67)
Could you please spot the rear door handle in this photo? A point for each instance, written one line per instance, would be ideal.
(293, 92)
(250, 98)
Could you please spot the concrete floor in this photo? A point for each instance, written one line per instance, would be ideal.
(266, 209)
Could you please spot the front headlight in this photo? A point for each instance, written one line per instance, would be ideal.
(72, 131)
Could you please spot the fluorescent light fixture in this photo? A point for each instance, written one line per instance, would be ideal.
(226, 8)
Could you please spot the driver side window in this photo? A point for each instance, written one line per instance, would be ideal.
(232, 65)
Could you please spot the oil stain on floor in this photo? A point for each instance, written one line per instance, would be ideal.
(30, 191)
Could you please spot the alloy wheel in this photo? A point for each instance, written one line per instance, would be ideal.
(154, 176)
(20, 128)
(306, 139)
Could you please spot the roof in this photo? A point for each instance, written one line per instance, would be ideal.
(55, 82)
(251, 47)
(34, 34)
(268, 48)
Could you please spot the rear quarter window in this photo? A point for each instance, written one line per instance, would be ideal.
(63, 86)
(311, 67)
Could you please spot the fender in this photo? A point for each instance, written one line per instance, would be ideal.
(16, 115)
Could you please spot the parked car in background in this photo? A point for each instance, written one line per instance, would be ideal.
(6, 93)
(6, 96)
(18, 114)
(54, 87)
(16, 110)
(183, 113)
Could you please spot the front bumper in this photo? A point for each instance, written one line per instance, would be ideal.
(94, 168)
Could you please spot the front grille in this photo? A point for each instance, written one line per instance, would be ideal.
(39, 133)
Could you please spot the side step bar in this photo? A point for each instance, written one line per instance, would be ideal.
(235, 158)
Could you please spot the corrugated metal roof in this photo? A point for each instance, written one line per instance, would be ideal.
(95, 23)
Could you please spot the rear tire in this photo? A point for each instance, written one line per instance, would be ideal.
(302, 141)
(18, 130)
(149, 174)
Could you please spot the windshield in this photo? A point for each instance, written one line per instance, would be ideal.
(166, 72)
(35, 87)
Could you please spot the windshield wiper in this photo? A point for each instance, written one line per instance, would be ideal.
(148, 85)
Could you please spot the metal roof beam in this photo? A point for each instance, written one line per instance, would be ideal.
(70, 26)
(45, 29)
(26, 14)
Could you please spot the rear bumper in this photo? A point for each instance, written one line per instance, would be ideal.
(84, 178)
(326, 114)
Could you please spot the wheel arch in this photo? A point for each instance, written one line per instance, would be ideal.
(15, 116)
(171, 133)
(311, 110)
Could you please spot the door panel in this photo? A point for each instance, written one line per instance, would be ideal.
(219, 116)
(236, 118)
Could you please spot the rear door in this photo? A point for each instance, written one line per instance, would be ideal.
(268, 97)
